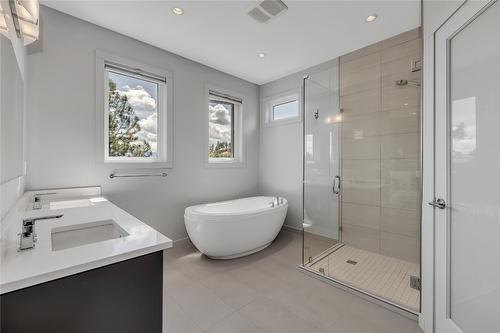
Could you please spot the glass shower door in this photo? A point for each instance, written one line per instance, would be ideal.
(322, 121)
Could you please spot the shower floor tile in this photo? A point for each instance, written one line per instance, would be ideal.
(379, 275)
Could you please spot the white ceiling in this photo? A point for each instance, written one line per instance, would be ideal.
(221, 35)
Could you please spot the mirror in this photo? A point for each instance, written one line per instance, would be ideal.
(11, 113)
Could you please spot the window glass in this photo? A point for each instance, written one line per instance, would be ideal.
(286, 110)
(221, 129)
(132, 116)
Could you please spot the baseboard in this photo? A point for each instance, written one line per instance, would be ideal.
(183, 242)
(421, 322)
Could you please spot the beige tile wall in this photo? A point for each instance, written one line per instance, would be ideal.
(380, 147)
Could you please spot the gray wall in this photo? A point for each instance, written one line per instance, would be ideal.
(12, 113)
(61, 125)
(12, 120)
(280, 167)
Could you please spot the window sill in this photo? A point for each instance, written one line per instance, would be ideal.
(225, 164)
(137, 164)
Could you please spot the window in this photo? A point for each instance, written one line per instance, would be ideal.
(281, 109)
(286, 110)
(132, 110)
(136, 112)
(221, 130)
(224, 128)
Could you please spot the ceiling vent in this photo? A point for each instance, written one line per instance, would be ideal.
(267, 10)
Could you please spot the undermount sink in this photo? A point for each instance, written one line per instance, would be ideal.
(86, 233)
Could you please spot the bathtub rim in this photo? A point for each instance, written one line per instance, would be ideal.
(191, 211)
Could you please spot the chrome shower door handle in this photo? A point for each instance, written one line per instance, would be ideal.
(336, 184)
(438, 203)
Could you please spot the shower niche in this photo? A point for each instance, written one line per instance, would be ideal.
(362, 181)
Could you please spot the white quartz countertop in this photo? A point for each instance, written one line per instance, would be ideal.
(21, 269)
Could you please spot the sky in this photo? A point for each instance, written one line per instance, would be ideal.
(286, 110)
(219, 124)
(142, 96)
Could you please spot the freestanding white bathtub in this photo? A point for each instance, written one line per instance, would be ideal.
(231, 229)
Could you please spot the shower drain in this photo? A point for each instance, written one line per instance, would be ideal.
(352, 262)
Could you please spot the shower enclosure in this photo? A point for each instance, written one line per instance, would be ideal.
(362, 171)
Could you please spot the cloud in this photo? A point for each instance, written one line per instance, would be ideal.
(149, 131)
(149, 124)
(144, 105)
(218, 114)
(139, 98)
(219, 133)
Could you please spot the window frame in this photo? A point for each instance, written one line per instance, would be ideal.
(164, 111)
(268, 104)
(238, 141)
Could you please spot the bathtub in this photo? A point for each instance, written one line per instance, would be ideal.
(231, 229)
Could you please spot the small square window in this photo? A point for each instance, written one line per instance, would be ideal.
(281, 109)
(286, 110)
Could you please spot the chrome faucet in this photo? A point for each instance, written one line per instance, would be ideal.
(37, 200)
(276, 202)
(28, 236)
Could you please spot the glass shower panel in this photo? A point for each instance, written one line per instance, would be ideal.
(321, 164)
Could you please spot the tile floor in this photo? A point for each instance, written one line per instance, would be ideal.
(379, 275)
(264, 292)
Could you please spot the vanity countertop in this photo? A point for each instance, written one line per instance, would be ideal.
(21, 269)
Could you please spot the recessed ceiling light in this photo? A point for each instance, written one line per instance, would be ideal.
(261, 55)
(178, 10)
(371, 18)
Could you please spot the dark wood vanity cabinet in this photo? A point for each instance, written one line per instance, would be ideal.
(124, 297)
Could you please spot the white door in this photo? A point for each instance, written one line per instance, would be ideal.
(467, 171)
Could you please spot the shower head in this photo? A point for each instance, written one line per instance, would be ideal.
(406, 82)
